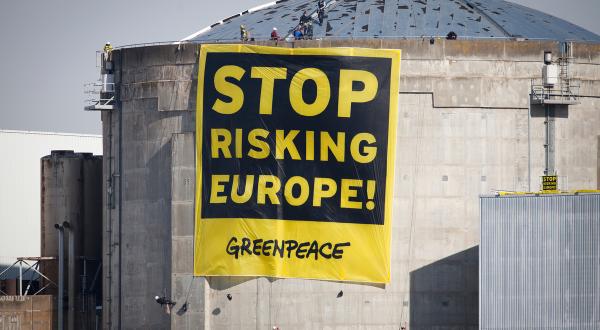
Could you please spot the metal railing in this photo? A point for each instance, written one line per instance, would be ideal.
(102, 95)
(350, 37)
(558, 94)
(29, 267)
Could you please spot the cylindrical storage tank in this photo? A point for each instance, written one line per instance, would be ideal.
(72, 192)
(464, 127)
(91, 238)
(457, 139)
(61, 201)
(89, 295)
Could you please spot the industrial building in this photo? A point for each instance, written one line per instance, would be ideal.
(40, 188)
(540, 261)
(510, 97)
(20, 189)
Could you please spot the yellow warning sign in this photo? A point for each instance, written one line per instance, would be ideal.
(549, 182)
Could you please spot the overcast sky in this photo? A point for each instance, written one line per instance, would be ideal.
(48, 48)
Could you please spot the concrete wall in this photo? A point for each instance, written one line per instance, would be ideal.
(462, 131)
(27, 312)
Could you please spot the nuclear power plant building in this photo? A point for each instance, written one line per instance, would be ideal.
(493, 97)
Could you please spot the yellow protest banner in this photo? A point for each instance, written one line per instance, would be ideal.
(295, 162)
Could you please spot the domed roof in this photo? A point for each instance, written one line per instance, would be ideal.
(398, 19)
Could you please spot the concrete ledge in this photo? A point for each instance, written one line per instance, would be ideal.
(158, 55)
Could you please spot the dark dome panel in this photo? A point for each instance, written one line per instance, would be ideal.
(399, 19)
(521, 21)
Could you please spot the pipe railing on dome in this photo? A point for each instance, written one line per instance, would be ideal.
(237, 40)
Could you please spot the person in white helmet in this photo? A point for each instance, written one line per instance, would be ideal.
(274, 34)
(108, 47)
(107, 51)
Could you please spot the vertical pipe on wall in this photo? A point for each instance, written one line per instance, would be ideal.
(72, 275)
(120, 175)
(547, 142)
(20, 278)
(109, 244)
(61, 276)
(83, 291)
(549, 146)
(529, 144)
(552, 139)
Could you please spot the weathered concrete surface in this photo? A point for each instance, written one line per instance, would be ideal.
(71, 188)
(463, 130)
(187, 290)
(61, 200)
(27, 312)
(138, 241)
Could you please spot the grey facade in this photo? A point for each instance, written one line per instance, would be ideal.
(540, 262)
(71, 191)
(464, 130)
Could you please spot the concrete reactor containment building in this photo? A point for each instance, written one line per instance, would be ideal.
(476, 116)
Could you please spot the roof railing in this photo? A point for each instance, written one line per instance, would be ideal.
(267, 38)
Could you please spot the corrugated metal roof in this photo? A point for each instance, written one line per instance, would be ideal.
(8, 131)
(399, 18)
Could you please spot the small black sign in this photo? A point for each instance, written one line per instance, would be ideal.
(549, 182)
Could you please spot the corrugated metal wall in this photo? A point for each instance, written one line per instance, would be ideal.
(540, 262)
